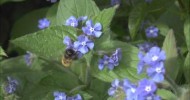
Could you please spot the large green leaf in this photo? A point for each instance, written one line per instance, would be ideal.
(28, 23)
(2, 53)
(77, 8)
(127, 66)
(47, 43)
(166, 95)
(136, 17)
(171, 63)
(187, 32)
(186, 68)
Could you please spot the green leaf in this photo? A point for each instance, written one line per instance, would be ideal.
(20, 28)
(51, 14)
(136, 17)
(187, 32)
(186, 68)
(77, 8)
(127, 66)
(47, 43)
(2, 53)
(171, 63)
(105, 17)
(166, 95)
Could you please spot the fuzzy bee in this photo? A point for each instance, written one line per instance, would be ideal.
(69, 56)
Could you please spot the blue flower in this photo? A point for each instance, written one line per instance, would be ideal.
(43, 23)
(92, 30)
(149, 97)
(59, 95)
(152, 32)
(130, 90)
(68, 42)
(154, 56)
(72, 21)
(83, 44)
(115, 85)
(106, 61)
(157, 72)
(115, 2)
(145, 47)
(116, 56)
(11, 85)
(28, 57)
(146, 87)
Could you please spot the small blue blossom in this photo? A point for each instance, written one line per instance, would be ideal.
(115, 2)
(146, 87)
(72, 21)
(83, 44)
(130, 90)
(68, 42)
(11, 85)
(157, 72)
(115, 85)
(116, 56)
(152, 32)
(106, 61)
(92, 30)
(154, 56)
(28, 57)
(149, 97)
(43, 23)
(59, 95)
(145, 47)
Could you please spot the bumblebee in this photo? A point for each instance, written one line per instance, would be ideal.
(69, 56)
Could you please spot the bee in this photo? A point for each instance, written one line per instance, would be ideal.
(69, 56)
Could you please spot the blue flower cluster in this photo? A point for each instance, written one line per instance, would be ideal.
(144, 90)
(111, 61)
(154, 59)
(83, 44)
(52, 1)
(43, 23)
(11, 85)
(115, 2)
(62, 96)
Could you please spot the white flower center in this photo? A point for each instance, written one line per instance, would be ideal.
(151, 31)
(148, 88)
(133, 90)
(91, 29)
(105, 62)
(158, 70)
(60, 97)
(73, 24)
(154, 58)
(83, 43)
